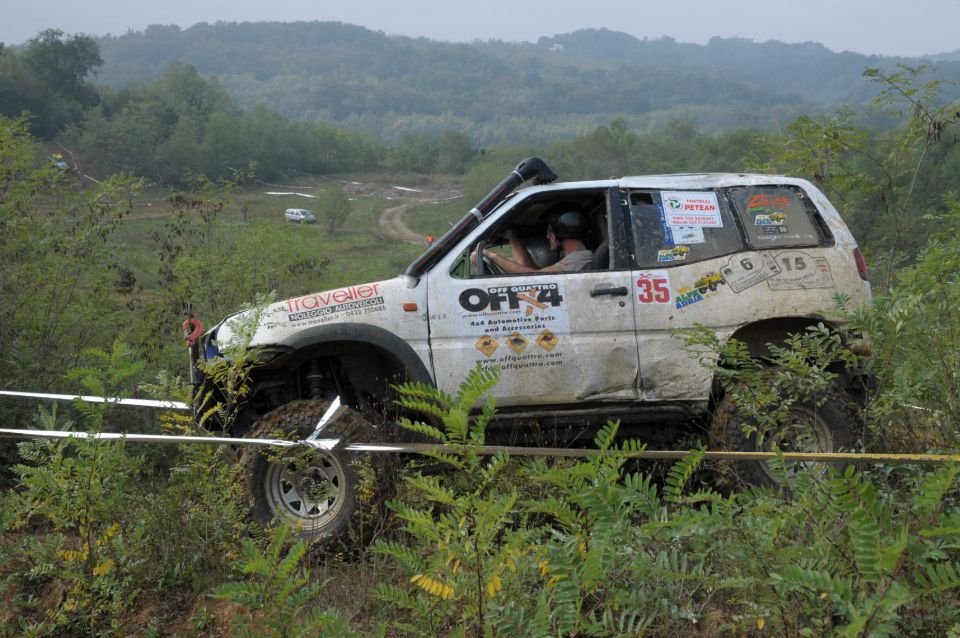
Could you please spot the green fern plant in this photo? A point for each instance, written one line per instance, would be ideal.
(467, 543)
(281, 599)
(893, 553)
(803, 367)
(602, 562)
(76, 488)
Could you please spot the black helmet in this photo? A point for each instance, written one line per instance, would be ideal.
(539, 249)
(568, 222)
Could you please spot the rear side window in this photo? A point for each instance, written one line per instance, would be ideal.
(777, 216)
(671, 228)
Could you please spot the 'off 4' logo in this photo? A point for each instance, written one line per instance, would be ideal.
(532, 298)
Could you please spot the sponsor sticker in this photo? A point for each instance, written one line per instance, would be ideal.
(487, 345)
(325, 306)
(800, 271)
(744, 271)
(687, 296)
(332, 297)
(525, 308)
(677, 253)
(653, 287)
(774, 231)
(709, 282)
(706, 285)
(517, 316)
(547, 340)
(687, 234)
(517, 342)
(773, 219)
(765, 201)
(326, 311)
(690, 208)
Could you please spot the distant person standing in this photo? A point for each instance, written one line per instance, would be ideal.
(429, 240)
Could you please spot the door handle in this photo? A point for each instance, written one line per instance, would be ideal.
(619, 291)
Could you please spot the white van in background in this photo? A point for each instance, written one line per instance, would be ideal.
(300, 215)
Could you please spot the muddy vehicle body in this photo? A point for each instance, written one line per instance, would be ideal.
(754, 257)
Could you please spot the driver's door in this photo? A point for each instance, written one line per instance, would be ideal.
(557, 338)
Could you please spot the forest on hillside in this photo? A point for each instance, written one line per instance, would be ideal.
(182, 125)
(500, 92)
(118, 206)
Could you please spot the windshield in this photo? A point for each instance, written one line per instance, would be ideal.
(448, 241)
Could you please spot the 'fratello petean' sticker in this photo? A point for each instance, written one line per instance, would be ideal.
(688, 208)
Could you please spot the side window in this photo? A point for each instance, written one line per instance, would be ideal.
(671, 228)
(535, 235)
(777, 216)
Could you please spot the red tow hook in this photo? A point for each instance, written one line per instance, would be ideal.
(195, 326)
(192, 329)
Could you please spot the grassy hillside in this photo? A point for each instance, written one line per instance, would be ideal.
(498, 92)
(115, 539)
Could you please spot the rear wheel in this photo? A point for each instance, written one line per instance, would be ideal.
(835, 424)
(314, 491)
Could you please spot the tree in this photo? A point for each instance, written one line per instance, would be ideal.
(454, 152)
(182, 88)
(334, 207)
(873, 176)
(53, 79)
(64, 63)
(55, 245)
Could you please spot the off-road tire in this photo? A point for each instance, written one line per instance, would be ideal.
(835, 425)
(279, 480)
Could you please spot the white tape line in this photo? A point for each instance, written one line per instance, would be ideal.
(419, 448)
(322, 444)
(147, 403)
(332, 412)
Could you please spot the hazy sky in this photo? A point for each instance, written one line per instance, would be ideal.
(887, 27)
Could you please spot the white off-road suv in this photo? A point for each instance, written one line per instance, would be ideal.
(753, 257)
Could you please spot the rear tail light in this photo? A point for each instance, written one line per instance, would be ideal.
(861, 264)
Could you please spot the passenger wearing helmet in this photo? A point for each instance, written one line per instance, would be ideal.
(565, 232)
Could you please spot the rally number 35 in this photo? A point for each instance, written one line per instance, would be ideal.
(653, 290)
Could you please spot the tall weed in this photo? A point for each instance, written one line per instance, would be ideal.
(604, 551)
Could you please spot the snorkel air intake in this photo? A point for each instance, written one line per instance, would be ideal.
(531, 169)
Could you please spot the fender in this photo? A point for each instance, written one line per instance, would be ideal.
(358, 333)
(757, 334)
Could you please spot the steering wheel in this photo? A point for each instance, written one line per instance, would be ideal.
(485, 265)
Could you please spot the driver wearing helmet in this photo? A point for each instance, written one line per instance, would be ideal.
(566, 230)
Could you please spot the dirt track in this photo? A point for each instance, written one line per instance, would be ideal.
(392, 226)
(390, 222)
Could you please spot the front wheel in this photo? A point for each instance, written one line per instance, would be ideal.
(312, 490)
(835, 424)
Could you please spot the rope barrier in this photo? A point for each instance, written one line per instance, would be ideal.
(490, 450)
(146, 403)
(420, 448)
